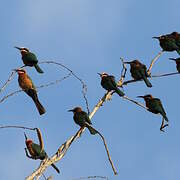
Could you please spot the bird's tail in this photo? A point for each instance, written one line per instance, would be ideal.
(38, 69)
(148, 84)
(91, 129)
(165, 117)
(39, 106)
(119, 92)
(53, 165)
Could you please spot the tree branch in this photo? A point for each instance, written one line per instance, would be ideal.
(21, 127)
(153, 61)
(92, 177)
(38, 87)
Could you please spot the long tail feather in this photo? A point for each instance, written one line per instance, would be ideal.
(91, 129)
(32, 93)
(38, 69)
(119, 92)
(148, 84)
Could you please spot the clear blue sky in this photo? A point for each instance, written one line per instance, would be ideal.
(89, 36)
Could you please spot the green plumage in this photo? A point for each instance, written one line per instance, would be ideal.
(82, 119)
(139, 71)
(37, 153)
(30, 59)
(155, 106)
(108, 82)
(177, 60)
(168, 43)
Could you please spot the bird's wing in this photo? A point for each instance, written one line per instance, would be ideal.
(158, 105)
(31, 57)
(33, 86)
(86, 117)
(112, 81)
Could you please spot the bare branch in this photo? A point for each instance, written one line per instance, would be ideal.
(21, 127)
(8, 81)
(107, 151)
(153, 61)
(38, 87)
(40, 138)
(137, 103)
(152, 76)
(84, 87)
(92, 177)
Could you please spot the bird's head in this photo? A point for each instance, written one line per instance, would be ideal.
(27, 141)
(23, 50)
(75, 110)
(20, 71)
(159, 37)
(132, 62)
(146, 97)
(103, 74)
(175, 34)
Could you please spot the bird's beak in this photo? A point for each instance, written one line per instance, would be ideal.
(16, 70)
(155, 37)
(99, 74)
(71, 110)
(17, 47)
(140, 96)
(173, 59)
(25, 136)
(127, 62)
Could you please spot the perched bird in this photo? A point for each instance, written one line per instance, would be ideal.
(176, 36)
(155, 106)
(108, 82)
(82, 119)
(28, 87)
(177, 60)
(168, 43)
(36, 152)
(139, 71)
(29, 58)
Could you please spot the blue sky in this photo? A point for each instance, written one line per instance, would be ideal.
(90, 36)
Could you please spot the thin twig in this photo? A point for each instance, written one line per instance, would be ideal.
(152, 76)
(153, 61)
(21, 127)
(84, 87)
(107, 151)
(92, 177)
(38, 87)
(137, 103)
(8, 81)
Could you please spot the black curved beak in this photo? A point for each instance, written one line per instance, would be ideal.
(17, 47)
(127, 62)
(173, 59)
(140, 97)
(25, 136)
(155, 37)
(71, 110)
(16, 70)
(99, 74)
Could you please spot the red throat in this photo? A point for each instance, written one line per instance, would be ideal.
(28, 142)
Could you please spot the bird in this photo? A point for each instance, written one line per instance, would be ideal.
(175, 35)
(139, 71)
(108, 82)
(82, 119)
(29, 58)
(168, 43)
(36, 152)
(177, 60)
(28, 87)
(155, 106)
